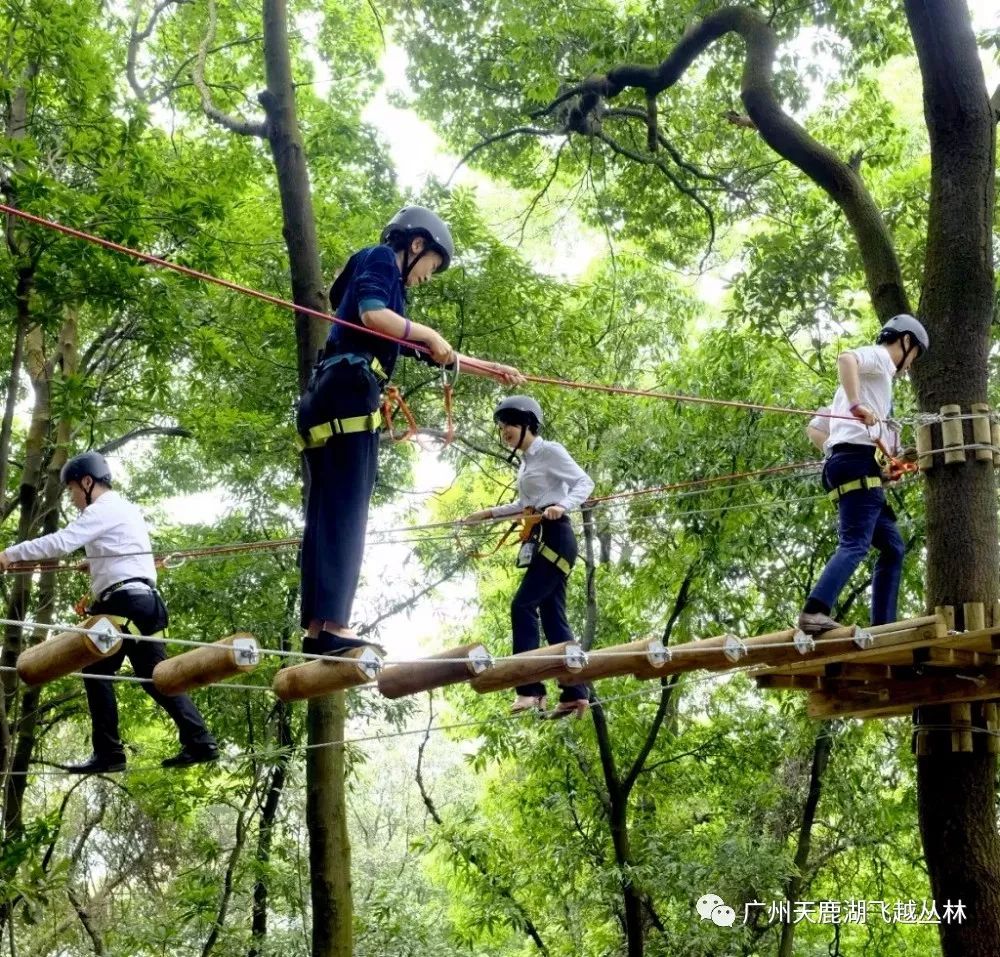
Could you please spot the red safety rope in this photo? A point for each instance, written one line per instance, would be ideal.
(476, 366)
(175, 558)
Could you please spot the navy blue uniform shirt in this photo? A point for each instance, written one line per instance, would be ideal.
(376, 283)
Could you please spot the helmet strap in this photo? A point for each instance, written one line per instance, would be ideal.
(906, 349)
(517, 448)
(88, 492)
(407, 263)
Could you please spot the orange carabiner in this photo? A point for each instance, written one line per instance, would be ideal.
(394, 396)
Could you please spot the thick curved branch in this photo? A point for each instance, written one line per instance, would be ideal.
(142, 433)
(786, 137)
(234, 124)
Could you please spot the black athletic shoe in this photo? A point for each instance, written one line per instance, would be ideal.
(97, 764)
(192, 754)
(327, 643)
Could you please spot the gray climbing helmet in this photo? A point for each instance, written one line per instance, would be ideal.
(421, 221)
(519, 410)
(899, 325)
(86, 463)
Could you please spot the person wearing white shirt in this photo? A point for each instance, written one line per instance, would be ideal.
(114, 536)
(551, 484)
(852, 474)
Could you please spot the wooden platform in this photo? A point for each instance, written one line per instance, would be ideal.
(880, 672)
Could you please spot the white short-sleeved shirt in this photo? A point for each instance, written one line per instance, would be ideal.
(875, 374)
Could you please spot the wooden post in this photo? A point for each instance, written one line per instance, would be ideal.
(974, 613)
(925, 460)
(530, 666)
(205, 666)
(68, 651)
(324, 675)
(991, 721)
(952, 435)
(960, 716)
(947, 612)
(982, 431)
(620, 660)
(396, 681)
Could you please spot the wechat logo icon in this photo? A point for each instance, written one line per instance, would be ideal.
(714, 908)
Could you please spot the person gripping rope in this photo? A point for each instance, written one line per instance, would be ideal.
(114, 535)
(339, 420)
(549, 483)
(852, 474)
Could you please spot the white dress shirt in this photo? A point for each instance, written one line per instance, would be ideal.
(547, 476)
(875, 374)
(114, 536)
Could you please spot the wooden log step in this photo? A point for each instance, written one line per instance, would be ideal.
(68, 652)
(397, 681)
(198, 667)
(530, 666)
(645, 654)
(326, 675)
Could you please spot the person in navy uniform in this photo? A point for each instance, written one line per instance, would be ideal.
(549, 483)
(339, 419)
(114, 535)
(852, 474)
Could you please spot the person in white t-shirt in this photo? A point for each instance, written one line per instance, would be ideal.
(852, 474)
(114, 536)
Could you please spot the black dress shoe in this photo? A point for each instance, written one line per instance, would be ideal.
(327, 643)
(192, 754)
(97, 764)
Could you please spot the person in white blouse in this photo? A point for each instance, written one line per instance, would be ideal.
(114, 536)
(551, 484)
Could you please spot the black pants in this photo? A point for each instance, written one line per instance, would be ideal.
(145, 609)
(542, 595)
(341, 481)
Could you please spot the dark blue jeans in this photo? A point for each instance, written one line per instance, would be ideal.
(542, 596)
(341, 481)
(866, 521)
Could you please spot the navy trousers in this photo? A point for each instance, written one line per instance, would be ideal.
(341, 481)
(145, 609)
(541, 596)
(865, 521)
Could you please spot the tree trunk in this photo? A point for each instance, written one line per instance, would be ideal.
(326, 821)
(957, 792)
(794, 884)
(326, 800)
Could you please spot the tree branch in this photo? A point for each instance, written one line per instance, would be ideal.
(680, 602)
(256, 128)
(496, 138)
(995, 104)
(470, 856)
(405, 603)
(88, 926)
(786, 137)
(137, 38)
(141, 433)
(638, 157)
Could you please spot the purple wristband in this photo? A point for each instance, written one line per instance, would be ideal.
(407, 328)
